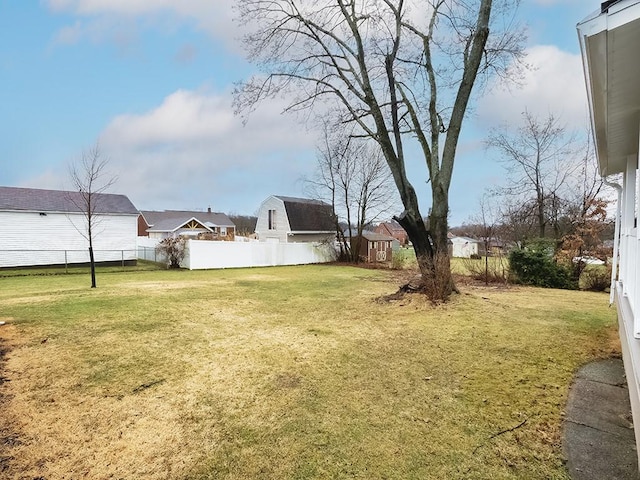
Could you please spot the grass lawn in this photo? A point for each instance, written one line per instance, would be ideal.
(288, 373)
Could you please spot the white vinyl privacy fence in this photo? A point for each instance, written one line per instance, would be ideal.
(204, 254)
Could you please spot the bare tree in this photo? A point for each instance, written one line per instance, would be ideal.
(399, 73)
(539, 157)
(174, 249)
(353, 175)
(586, 193)
(586, 214)
(487, 221)
(245, 224)
(90, 179)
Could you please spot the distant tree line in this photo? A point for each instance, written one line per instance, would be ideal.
(245, 224)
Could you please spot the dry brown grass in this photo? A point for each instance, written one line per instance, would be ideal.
(288, 373)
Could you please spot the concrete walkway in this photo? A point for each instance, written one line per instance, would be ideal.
(599, 442)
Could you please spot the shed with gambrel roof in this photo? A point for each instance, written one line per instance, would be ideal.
(295, 220)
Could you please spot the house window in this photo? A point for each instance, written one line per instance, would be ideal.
(272, 219)
(223, 231)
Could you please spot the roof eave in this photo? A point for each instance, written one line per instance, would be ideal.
(614, 124)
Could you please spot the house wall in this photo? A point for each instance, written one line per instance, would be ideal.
(142, 227)
(375, 250)
(29, 238)
(312, 238)
(379, 251)
(627, 289)
(279, 234)
(463, 248)
(400, 236)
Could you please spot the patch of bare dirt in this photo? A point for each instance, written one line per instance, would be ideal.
(411, 282)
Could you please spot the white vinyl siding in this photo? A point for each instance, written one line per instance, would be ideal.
(272, 209)
(34, 238)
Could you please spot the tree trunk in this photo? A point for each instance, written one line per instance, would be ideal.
(439, 229)
(541, 222)
(92, 263)
(486, 261)
(432, 252)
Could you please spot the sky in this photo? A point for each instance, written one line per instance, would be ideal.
(150, 82)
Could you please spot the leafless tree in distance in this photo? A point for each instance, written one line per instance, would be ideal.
(540, 157)
(352, 175)
(90, 180)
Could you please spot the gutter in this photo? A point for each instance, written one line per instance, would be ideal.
(616, 237)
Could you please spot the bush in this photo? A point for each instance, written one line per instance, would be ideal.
(534, 265)
(475, 256)
(398, 261)
(403, 258)
(491, 270)
(174, 249)
(596, 278)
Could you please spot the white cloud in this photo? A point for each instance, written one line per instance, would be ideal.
(192, 150)
(554, 84)
(98, 17)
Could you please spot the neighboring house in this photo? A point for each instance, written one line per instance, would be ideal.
(463, 247)
(374, 247)
(609, 41)
(393, 229)
(495, 247)
(295, 220)
(198, 225)
(48, 227)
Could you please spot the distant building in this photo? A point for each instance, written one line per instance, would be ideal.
(374, 247)
(48, 227)
(205, 225)
(295, 220)
(463, 247)
(393, 229)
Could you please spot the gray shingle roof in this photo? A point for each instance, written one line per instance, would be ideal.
(169, 220)
(369, 235)
(39, 200)
(376, 237)
(307, 215)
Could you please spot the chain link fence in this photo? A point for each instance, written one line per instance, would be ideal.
(66, 258)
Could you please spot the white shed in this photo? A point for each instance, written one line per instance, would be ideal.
(295, 220)
(463, 247)
(46, 227)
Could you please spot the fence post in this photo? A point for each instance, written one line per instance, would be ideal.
(122, 257)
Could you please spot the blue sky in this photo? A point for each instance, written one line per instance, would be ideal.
(151, 80)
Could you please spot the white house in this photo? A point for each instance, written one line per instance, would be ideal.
(170, 223)
(463, 247)
(48, 227)
(610, 44)
(295, 220)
